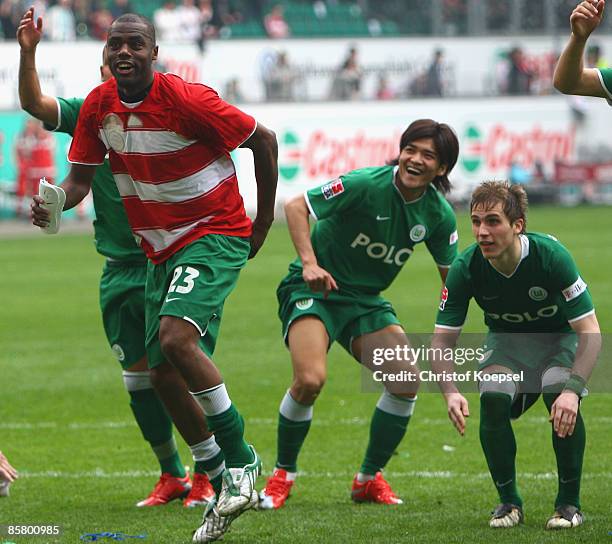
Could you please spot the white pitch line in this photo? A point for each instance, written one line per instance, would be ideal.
(321, 422)
(424, 474)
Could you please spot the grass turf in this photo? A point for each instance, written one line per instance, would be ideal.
(66, 425)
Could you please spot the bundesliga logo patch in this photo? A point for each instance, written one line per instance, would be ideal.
(443, 299)
(332, 189)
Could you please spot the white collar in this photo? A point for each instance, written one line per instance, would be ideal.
(524, 254)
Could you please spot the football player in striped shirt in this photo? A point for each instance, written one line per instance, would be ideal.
(169, 145)
(122, 290)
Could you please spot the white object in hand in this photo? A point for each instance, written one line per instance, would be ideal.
(4, 488)
(55, 198)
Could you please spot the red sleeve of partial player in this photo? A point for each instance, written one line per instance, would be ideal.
(214, 120)
(87, 147)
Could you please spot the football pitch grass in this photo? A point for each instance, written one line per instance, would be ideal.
(66, 425)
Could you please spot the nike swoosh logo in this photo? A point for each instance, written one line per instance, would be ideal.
(489, 298)
(505, 483)
(171, 299)
(380, 218)
(567, 481)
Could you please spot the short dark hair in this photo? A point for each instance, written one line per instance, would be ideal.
(445, 143)
(137, 18)
(513, 199)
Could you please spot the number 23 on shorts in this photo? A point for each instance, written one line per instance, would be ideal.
(182, 282)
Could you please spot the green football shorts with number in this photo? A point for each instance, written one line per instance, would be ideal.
(193, 285)
(122, 300)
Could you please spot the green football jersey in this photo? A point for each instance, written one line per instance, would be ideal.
(113, 235)
(365, 230)
(543, 294)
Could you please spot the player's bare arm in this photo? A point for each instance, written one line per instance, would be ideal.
(456, 404)
(265, 156)
(565, 408)
(76, 186)
(571, 77)
(318, 279)
(32, 99)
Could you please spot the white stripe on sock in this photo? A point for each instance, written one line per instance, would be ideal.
(137, 381)
(293, 410)
(204, 450)
(397, 406)
(165, 450)
(213, 473)
(214, 400)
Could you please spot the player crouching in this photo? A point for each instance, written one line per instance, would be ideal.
(541, 322)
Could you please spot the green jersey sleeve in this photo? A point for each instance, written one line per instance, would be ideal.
(340, 195)
(605, 77)
(455, 298)
(443, 242)
(67, 115)
(575, 297)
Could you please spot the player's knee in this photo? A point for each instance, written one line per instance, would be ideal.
(554, 379)
(492, 387)
(496, 399)
(177, 340)
(306, 388)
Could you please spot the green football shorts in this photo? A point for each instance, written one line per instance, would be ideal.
(193, 285)
(532, 354)
(534, 351)
(122, 300)
(345, 316)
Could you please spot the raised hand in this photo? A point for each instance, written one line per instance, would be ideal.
(586, 17)
(28, 32)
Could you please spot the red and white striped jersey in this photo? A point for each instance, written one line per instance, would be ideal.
(170, 157)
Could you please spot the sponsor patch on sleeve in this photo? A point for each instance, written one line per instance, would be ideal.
(453, 238)
(332, 189)
(443, 298)
(574, 290)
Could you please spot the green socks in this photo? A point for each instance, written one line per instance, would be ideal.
(290, 437)
(228, 428)
(293, 424)
(156, 428)
(387, 428)
(226, 424)
(569, 452)
(499, 445)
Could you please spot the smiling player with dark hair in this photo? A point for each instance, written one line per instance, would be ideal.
(368, 224)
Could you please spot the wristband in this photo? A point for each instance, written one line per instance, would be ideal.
(576, 384)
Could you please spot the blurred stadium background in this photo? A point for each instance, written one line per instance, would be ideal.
(338, 81)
